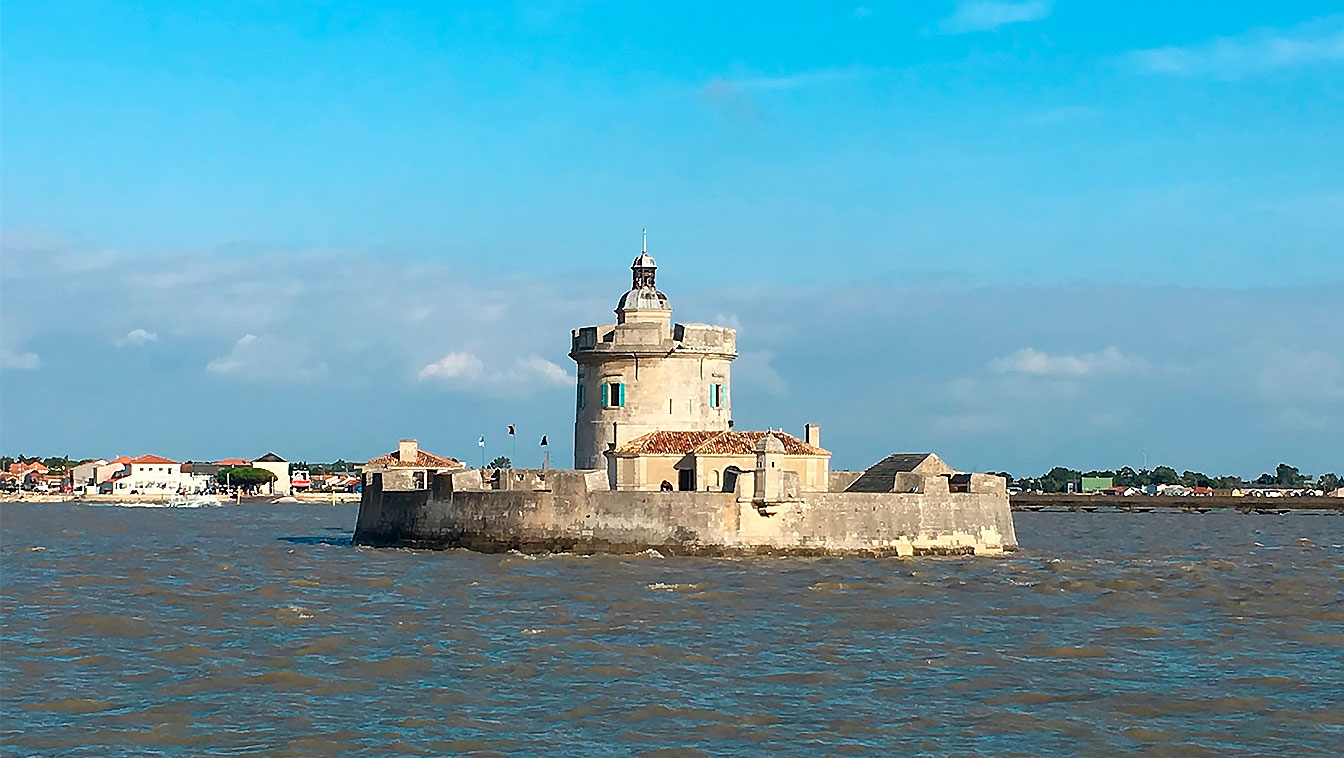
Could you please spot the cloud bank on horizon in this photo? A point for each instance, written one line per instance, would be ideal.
(1011, 378)
(1019, 232)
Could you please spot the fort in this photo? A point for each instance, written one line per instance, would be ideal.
(658, 465)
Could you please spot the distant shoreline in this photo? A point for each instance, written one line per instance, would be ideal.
(1173, 503)
(307, 497)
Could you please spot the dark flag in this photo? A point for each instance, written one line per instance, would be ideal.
(543, 440)
(510, 430)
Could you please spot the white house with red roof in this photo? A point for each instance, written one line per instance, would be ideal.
(109, 468)
(84, 476)
(148, 474)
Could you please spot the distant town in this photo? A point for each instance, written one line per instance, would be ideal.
(269, 474)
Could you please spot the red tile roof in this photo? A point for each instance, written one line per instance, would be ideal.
(713, 443)
(151, 459)
(119, 459)
(423, 460)
(233, 462)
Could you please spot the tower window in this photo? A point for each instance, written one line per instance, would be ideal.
(582, 395)
(613, 395)
(716, 396)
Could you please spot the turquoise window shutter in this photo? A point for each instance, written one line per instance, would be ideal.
(621, 395)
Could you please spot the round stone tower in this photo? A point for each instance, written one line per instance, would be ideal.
(644, 374)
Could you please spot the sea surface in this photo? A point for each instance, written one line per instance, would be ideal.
(259, 630)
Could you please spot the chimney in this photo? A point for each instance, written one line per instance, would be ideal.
(812, 435)
(408, 451)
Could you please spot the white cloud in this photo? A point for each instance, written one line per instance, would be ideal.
(1309, 377)
(799, 80)
(738, 94)
(1235, 399)
(1033, 362)
(753, 369)
(12, 361)
(465, 370)
(1257, 51)
(984, 16)
(454, 366)
(728, 319)
(268, 359)
(547, 371)
(137, 337)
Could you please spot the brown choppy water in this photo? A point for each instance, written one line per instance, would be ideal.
(260, 631)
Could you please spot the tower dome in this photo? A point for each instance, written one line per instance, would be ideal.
(643, 294)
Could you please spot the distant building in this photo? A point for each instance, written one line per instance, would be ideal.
(84, 477)
(30, 475)
(148, 474)
(278, 466)
(1097, 484)
(106, 471)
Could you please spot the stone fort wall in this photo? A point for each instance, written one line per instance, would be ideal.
(576, 513)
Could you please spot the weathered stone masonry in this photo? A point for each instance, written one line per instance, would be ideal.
(576, 513)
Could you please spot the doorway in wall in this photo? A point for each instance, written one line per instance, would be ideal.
(686, 479)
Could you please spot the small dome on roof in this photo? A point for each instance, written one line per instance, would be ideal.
(643, 298)
(643, 294)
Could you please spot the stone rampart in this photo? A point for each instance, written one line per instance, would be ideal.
(574, 515)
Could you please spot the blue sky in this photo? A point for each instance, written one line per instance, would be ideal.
(1018, 233)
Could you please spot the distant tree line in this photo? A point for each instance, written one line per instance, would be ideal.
(1058, 479)
(246, 477)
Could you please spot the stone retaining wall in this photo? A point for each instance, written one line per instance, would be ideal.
(573, 516)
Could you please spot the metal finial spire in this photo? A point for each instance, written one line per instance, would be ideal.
(645, 247)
